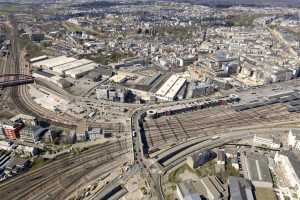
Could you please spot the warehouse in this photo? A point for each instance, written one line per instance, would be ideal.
(170, 88)
(72, 65)
(81, 71)
(175, 89)
(52, 78)
(37, 59)
(256, 169)
(53, 62)
(167, 86)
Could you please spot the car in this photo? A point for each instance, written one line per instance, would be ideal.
(133, 133)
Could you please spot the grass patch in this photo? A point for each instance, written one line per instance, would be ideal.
(207, 169)
(71, 27)
(231, 171)
(264, 193)
(37, 163)
(174, 176)
(32, 49)
(245, 20)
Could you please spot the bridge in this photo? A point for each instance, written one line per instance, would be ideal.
(10, 80)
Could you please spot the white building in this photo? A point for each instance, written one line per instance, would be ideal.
(169, 90)
(53, 62)
(267, 142)
(61, 82)
(37, 59)
(81, 71)
(290, 166)
(5, 145)
(294, 139)
(72, 65)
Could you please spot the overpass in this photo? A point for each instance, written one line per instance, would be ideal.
(10, 80)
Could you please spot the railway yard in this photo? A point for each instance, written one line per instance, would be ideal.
(168, 130)
(101, 107)
(60, 178)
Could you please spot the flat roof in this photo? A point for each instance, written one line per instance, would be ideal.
(175, 88)
(294, 158)
(52, 62)
(188, 189)
(258, 168)
(82, 69)
(296, 133)
(38, 58)
(167, 85)
(71, 65)
(43, 73)
(240, 188)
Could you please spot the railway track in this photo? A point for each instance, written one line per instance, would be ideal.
(37, 182)
(167, 130)
(19, 95)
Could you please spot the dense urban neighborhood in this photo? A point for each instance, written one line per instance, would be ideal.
(146, 99)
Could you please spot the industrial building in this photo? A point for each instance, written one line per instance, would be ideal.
(169, 90)
(37, 59)
(54, 69)
(81, 71)
(61, 82)
(240, 188)
(71, 65)
(255, 168)
(100, 73)
(150, 80)
(53, 62)
(209, 187)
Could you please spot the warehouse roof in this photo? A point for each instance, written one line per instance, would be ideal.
(188, 190)
(71, 65)
(175, 88)
(43, 73)
(81, 69)
(294, 158)
(258, 168)
(39, 58)
(52, 62)
(296, 133)
(167, 85)
(240, 188)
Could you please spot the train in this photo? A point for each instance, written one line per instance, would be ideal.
(192, 106)
(292, 99)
